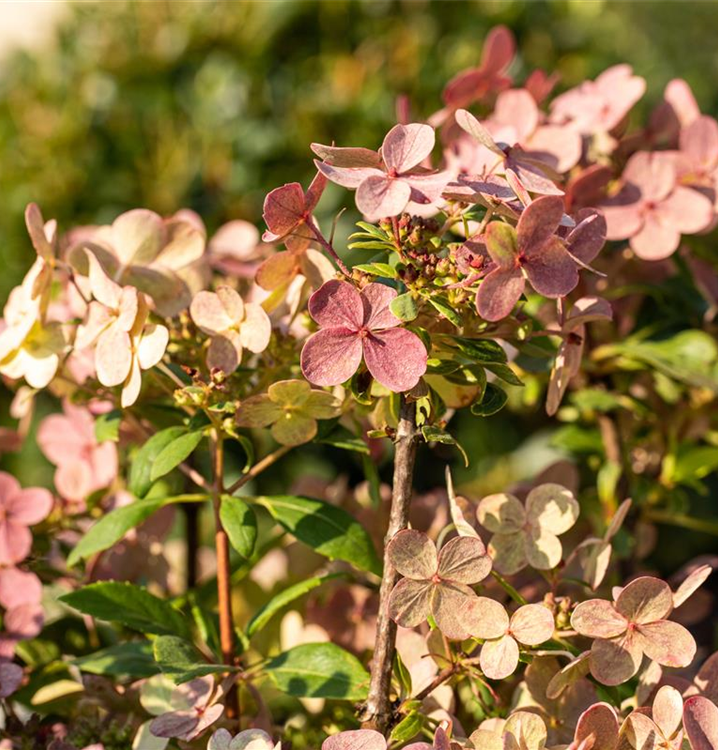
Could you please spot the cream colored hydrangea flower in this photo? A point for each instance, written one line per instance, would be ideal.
(233, 326)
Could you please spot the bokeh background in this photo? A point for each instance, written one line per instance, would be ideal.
(209, 105)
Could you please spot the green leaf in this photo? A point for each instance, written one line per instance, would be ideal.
(128, 605)
(112, 527)
(107, 426)
(404, 307)
(125, 660)
(331, 433)
(240, 523)
(377, 269)
(444, 307)
(594, 399)
(181, 661)
(277, 603)
(319, 670)
(484, 351)
(434, 434)
(141, 471)
(407, 728)
(329, 530)
(374, 231)
(505, 373)
(370, 245)
(494, 400)
(173, 454)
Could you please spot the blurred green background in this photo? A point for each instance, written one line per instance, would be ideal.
(210, 104)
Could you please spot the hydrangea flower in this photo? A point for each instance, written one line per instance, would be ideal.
(83, 465)
(19, 509)
(235, 249)
(183, 711)
(529, 625)
(364, 739)
(528, 535)
(531, 251)
(357, 324)
(700, 719)
(153, 254)
(439, 585)
(232, 324)
(652, 211)
(20, 597)
(599, 106)
(633, 625)
(698, 156)
(386, 181)
(248, 739)
(570, 351)
(662, 728)
(30, 347)
(292, 408)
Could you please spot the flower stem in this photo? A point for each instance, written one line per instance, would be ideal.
(329, 248)
(377, 712)
(224, 588)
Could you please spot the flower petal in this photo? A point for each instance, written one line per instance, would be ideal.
(331, 356)
(376, 299)
(137, 236)
(258, 411)
(256, 328)
(277, 270)
(668, 643)
(597, 618)
(655, 241)
(30, 506)
(501, 513)
(588, 236)
(687, 210)
(321, 405)
(498, 293)
(413, 554)
(113, 356)
(551, 507)
(653, 172)
(348, 177)
(395, 357)
(451, 606)
(532, 624)
(543, 549)
(700, 719)
(294, 429)
(598, 725)
(355, 739)
(508, 552)
(406, 146)
(337, 303)
(645, 599)
(283, 208)
(153, 343)
(209, 314)
(224, 352)
(464, 559)
(486, 618)
(380, 196)
(410, 601)
(617, 660)
(538, 222)
(499, 658)
(551, 270)
(668, 710)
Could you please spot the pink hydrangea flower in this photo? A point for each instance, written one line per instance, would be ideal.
(698, 157)
(19, 509)
(83, 465)
(235, 249)
(652, 211)
(633, 625)
(599, 106)
(387, 180)
(356, 325)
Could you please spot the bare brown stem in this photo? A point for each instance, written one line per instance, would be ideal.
(224, 585)
(329, 248)
(377, 712)
(259, 467)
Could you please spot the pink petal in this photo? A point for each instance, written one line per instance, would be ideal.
(622, 220)
(73, 480)
(224, 352)
(348, 177)
(283, 208)
(645, 599)
(405, 146)
(551, 270)
(379, 196)
(395, 357)
(137, 236)
(464, 559)
(256, 328)
(686, 210)
(615, 661)
(668, 643)
(517, 108)
(597, 618)
(486, 618)
(377, 314)
(700, 719)
(413, 554)
(15, 543)
(113, 356)
(699, 141)
(557, 146)
(30, 506)
(277, 270)
(567, 364)
(175, 724)
(655, 240)
(679, 95)
(24, 622)
(452, 609)
(213, 313)
(18, 587)
(532, 624)
(409, 603)
(539, 222)
(104, 290)
(599, 725)
(499, 658)
(501, 513)
(587, 310)
(499, 50)
(355, 739)
(498, 293)
(695, 579)
(530, 173)
(337, 304)
(132, 385)
(36, 228)
(61, 438)
(427, 188)
(236, 239)
(151, 348)
(500, 239)
(589, 236)
(667, 710)
(314, 192)
(466, 121)
(331, 356)
(653, 172)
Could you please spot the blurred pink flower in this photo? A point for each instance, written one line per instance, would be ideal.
(387, 180)
(83, 465)
(360, 324)
(235, 249)
(652, 211)
(19, 509)
(599, 106)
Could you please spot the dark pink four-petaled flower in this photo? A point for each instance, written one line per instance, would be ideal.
(357, 324)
